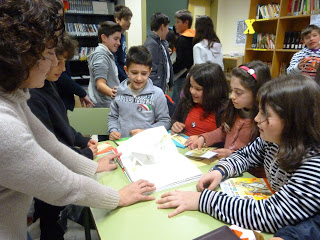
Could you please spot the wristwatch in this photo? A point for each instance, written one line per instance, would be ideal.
(220, 170)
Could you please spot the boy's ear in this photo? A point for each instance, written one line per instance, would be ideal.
(186, 22)
(117, 20)
(103, 37)
(125, 69)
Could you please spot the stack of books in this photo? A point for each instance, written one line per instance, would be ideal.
(91, 7)
(268, 11)
(303, 7)
(263, 41)
(82, 29)
(293, 40)
(83, 53)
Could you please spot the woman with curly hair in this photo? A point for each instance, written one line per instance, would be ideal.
(205, 98)
(32, 161)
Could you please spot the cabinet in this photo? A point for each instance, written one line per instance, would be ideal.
(278, 26)
(81, 21)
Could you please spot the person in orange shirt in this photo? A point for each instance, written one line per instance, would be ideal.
(238, 128)
(205, 98)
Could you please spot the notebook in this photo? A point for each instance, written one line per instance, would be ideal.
(152, 155)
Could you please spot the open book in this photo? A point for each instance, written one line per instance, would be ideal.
(249, 188)
(152, 155)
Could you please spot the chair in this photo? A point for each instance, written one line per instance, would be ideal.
(90, 121)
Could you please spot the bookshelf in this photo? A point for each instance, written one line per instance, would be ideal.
(81, 21)
(277, 25)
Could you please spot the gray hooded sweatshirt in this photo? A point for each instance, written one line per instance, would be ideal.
(147, 110)
(102, 65)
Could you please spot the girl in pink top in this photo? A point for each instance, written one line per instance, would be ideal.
(238, 128)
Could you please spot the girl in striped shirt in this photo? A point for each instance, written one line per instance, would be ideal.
(288, 148)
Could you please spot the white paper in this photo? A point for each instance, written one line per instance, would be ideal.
(152, 155)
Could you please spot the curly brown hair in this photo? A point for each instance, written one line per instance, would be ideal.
(66, 46)
(24, 34)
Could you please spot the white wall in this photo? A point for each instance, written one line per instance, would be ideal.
(135, 32)
(229, 11)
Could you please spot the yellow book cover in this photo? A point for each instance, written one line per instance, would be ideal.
(202, 153)
(247, 188)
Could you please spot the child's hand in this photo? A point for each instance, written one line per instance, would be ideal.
(92, 142)
(210, 180)
(191, 140)
(177, 127)
(134, 192)
(114, 136)
(197, 143)
(94, 150)
(223, 152)
(182, 201)
(135, 131)
(86, 101)
(107, 163)
(114, 92)
(302, 63)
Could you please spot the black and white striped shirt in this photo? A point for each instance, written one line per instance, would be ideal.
(297, 194)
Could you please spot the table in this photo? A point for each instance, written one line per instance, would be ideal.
(144, 221)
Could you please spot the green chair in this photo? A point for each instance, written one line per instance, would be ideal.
(90, 121)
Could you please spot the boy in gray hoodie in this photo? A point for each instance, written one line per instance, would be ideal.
(138, 104)
(102, 67)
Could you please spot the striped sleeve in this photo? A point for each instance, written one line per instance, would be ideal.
(251, 156)
(293, 67)
(296, 201)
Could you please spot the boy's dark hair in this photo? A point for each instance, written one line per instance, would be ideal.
(66, 46)
(263, 75)
(139, 55)
(213, 82)
(184, 15)
(171, 39)
(296, 99)
(157, 20)
(205, 30)
(108, 28)
(309, 29)
(24, 35)
(121, 11)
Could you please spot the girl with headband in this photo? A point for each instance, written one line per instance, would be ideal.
(238, 127)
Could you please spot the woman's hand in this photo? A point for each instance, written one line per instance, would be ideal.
(210, 180)
(198, 143)
(86, 101)
(191, 140)
(134, 192)
(177, 127)
(182, 201)
(107, 163)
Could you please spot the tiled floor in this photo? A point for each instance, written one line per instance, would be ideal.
(75, 231)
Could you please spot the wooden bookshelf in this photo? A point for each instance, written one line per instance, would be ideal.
(279, 25)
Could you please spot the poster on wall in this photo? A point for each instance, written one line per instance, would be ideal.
(240, 38)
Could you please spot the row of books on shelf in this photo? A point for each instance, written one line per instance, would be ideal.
(82, 29)
(263, 40)
(293, 40)
(268, 11)
(90, 7)
(303, 7)
(83, 53)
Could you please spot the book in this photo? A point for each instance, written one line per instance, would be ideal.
(202, 153)
(220, 233)
(152, 155)
(104, 148)
(179, 139)
(247, 188)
